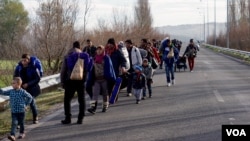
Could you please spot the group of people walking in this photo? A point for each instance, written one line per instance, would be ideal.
(101, 65)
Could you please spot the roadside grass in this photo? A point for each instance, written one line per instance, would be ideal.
(6, 71)
(245, 58)
(45, 102)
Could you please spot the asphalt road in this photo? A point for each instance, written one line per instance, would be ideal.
(194, 109)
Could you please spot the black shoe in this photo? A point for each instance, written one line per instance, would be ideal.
(104, 110)
(66, 121)
(79, 121)
(150, 96)
(144, 97)
(91, 110)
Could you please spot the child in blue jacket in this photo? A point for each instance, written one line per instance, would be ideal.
(138, 83)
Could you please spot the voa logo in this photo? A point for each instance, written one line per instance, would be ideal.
(236, 132)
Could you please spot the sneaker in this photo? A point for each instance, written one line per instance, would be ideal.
(129, 94)
(21, 136)
(173, 82)
(143, 98)
(150, 96)
(11, 137)
(169, 85)
(91, 110)
(137, 101)
(104, 110)
(35, 120)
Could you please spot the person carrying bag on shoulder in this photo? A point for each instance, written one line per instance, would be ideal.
(191, 53)
(170, 56)
(73, 77)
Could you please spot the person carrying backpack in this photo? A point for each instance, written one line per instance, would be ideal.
(30, 71)
(74, 85)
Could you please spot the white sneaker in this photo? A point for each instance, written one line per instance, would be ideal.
(173, 82)
(129, 94)
(169, 84)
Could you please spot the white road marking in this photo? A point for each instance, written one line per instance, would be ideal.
(218, 96)
(231, 120)
(206, 62)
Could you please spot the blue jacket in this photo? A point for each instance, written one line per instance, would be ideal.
(32, 77)
(165, 50)
(69, 62)
(109, 73)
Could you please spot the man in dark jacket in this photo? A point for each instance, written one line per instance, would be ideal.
(191, 52)
(29, 73)
(90, 48)
(72, 86)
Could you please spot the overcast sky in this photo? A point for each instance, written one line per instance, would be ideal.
(164, 12)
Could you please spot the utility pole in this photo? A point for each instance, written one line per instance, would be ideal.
(207, 22)
(215, 23)
(227, 23)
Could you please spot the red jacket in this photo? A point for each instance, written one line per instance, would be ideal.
(156, 55)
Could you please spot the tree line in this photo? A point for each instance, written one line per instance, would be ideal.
(51, 32)
(239, 26)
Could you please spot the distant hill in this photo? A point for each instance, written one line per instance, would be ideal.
(195, 31)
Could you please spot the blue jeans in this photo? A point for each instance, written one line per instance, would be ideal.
(169, 72)
(149, 88)
(17, 118)
(137, 93)
(33, 107)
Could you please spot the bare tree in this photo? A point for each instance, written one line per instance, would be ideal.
(86, 13)
(143, 19)
(54, 31)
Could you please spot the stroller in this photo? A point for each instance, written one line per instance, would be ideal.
(181, 63)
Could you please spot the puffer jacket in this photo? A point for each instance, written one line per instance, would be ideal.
(32, 77)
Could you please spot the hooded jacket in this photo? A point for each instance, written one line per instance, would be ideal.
(32, 76)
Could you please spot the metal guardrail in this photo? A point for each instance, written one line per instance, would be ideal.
(230, 50)
(45, 82)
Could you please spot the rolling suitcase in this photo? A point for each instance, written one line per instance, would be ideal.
(115, 90)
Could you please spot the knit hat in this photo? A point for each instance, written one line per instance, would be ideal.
(138, 68)
(121, 44)
(111, 41)
(145, 60)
